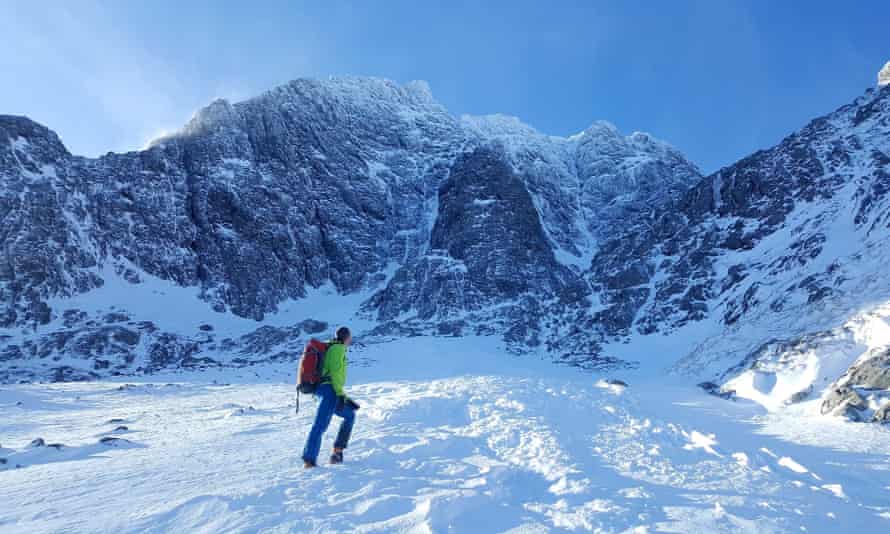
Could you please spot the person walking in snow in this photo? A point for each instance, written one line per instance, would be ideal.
(333, 400)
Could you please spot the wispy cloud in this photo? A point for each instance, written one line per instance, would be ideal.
(101, 89)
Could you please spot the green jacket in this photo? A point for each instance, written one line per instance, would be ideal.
(334, 368)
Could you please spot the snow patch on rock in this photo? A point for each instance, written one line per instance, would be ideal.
(884, 75)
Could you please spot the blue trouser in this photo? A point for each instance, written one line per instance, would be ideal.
(326, 409)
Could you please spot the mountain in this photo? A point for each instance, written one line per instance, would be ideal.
(552, 334)
(363, 201)
(209, 246)
(772, 269)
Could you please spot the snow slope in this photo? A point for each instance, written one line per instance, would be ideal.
(453, 435)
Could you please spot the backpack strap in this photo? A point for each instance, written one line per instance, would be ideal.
(331, 343)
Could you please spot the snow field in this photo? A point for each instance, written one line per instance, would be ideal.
(454, 443)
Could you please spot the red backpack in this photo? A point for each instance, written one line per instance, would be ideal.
(311, 364)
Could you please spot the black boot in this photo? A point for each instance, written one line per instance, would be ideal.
(337, 457)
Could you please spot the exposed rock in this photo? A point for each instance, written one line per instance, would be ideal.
(843, 401)
(67, 373)
(73, 317)
(169, 350)
(873, 372)
(487, 247)
(882, 414)
(311, 326)
(116, 317)
(715, 389)
(267, 339)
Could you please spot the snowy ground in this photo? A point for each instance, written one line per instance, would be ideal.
(453, 435)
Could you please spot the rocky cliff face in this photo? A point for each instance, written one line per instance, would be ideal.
(362, 201)
(586, 186)
(780, 229)
(299, 184)
(783, 252)
(359, 185)
(489, 265)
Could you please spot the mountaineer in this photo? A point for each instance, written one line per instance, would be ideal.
(333, 400)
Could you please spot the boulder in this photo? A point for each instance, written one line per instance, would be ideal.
(715, 389)
(843, 400)
(873, 372)
(311, 326)
(882, 414)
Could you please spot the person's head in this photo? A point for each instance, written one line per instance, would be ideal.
(344, 335)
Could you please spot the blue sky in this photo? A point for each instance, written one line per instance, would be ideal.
(716, 79)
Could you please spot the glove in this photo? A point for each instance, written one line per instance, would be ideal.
(343, 401)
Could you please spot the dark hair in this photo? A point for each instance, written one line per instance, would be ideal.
(343, 334)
